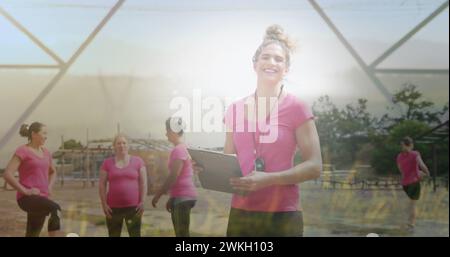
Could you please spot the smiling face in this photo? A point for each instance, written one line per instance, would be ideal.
(271, 64)
(40, 137)
(121, 145)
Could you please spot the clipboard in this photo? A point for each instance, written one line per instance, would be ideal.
(218, 168)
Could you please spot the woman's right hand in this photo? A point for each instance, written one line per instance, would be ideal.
(169, 205)
(422, 175)
(196, 167)
(107, 210)
(32, 191)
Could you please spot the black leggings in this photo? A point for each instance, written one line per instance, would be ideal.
(413, 190)
(181, 215)
(132, 221)
(37, 208)
(243, 223)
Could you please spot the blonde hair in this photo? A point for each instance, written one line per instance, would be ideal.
(275, 35)
(117, 137)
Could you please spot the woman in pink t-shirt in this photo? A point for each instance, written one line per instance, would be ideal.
(412, 168)
(36, 178)
(183, 194)
(123, 188)
(264, 130)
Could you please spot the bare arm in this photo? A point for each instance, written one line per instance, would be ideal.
(175, 170)
(52, 177)
(311, 167)
(422, 165)
(143, 184)
(102, 184)
(229, 144)
(12, 167)
(399, 169)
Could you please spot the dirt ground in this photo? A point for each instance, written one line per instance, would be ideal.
(326, 213)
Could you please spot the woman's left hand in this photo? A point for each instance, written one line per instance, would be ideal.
(252, 182)
(422, 175)
(140, 209)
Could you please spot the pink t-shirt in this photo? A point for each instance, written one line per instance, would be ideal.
(184, 185)
(278, 154)
(123, 190)
(33, 170)
(409, 167)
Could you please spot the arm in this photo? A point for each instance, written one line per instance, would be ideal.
(175, 170)
(422, 165)
(229, 144)
(143, 183)
(12, 166)
(52, 178)
(311, 167)
(102, 183)
(308, 142)
(399, 169)
(142, 189)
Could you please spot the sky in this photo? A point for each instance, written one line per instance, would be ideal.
(174, 47)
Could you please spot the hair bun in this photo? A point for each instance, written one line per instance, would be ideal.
(276, 32)
(24, 132)
(177, 124)
(181, 124)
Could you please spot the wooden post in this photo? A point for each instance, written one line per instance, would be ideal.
(88, 164)
(434, 167)
(94, 170)
(62, 162)
(83, 160)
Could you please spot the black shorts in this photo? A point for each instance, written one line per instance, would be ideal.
(37, 208)
(413, 190)
(243, 223)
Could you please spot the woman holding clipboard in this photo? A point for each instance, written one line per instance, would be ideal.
(264, 130)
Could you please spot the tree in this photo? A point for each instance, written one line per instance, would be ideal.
(342, 132)
(414, 107)
(72, 144)
(328, 116)
(417, 116)
(345, 133)
(355, 126)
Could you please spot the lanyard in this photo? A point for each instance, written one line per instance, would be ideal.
(256, 146)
